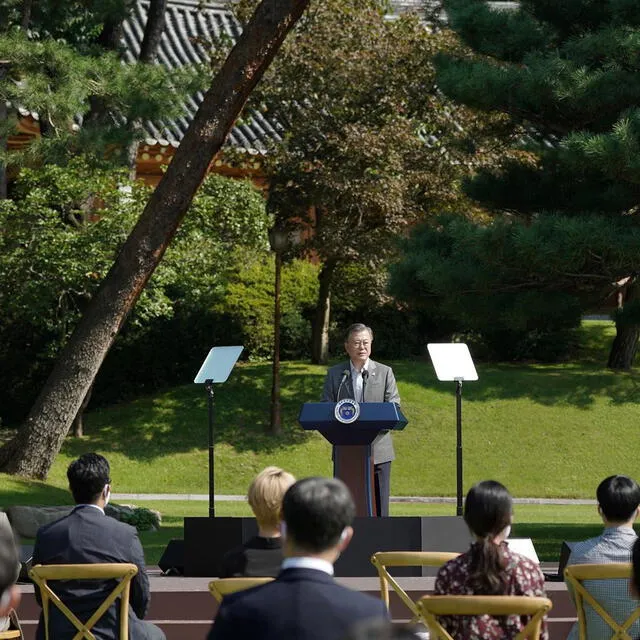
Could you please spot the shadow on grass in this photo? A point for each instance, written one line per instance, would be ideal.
(576, 385)
(26, 492)
(177, 421)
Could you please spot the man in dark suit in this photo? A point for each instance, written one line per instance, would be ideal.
(365, 380)
(88, 536)
(304, 602)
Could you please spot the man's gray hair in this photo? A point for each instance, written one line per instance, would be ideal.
(358, 327)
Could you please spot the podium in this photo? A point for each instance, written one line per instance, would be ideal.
(352, 459)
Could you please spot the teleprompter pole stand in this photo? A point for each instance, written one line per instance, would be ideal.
(452, 362)
(458, 447)
(208, 385)
(215, 370)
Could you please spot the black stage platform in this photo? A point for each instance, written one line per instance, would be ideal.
(206, 540)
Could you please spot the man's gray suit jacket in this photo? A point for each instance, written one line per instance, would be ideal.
(380, 387)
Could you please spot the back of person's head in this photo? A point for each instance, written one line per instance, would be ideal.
(265, 495)
(316, 511)
(8, 563)
(635, 568)
(381, 630)
(618, 498)
(88, 476)
(488, 511)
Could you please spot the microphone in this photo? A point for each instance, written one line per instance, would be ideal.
(365, 377)
(345, 374)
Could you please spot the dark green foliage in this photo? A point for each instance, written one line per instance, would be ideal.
(52, 78)
(249, 300)
(60, 232)
(359, 295)
(569, 72)
(519, 288)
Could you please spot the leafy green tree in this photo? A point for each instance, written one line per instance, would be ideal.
(63, 85)
(248, 299)
(369, 145)
(569, 72)
(32, 451)
(61, 231)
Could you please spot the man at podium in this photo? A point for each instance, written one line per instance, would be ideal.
(365, 380)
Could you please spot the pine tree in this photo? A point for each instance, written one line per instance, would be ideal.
(34, 448)
(570, 72)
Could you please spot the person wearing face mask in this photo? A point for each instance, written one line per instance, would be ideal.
(88, 536)
(489, 567)
(304, 602)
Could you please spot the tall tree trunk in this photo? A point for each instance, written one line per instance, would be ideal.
(320, 334)
(624, 347)
(4, 66)
(153, 30)
(148, 50)
(625, 344)
(78, 422)
(25, 14)
(36, 444)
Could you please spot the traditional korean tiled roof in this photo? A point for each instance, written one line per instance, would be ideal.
(190, 26)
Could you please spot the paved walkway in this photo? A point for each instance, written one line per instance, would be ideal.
(415, 499)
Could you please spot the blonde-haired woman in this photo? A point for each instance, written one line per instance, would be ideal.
(261, 556)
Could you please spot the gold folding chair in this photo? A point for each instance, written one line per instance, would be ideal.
(575, 576)
(42, 574)
(383, 559)
(224, 586)
(430, 607)
(16, 632)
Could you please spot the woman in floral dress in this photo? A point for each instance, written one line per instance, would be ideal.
(489, 567)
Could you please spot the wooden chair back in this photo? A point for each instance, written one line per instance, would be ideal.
(384, 559)
(224, 586)
(15, 630)
(575, 576)
(123, 572)
(430, 607)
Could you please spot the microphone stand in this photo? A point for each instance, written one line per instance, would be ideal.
(345, 375)
(365, 377)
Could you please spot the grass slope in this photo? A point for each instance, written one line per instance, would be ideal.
(544, 431)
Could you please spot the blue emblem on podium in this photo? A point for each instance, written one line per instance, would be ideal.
(347, 411)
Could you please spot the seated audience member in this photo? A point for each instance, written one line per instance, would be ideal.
(262, 554)
(9, 560)
(304, 602)
(634, 583)
(489, 567)
(88, 536)
(618, 501)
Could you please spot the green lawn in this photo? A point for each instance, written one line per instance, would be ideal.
(544, 431)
